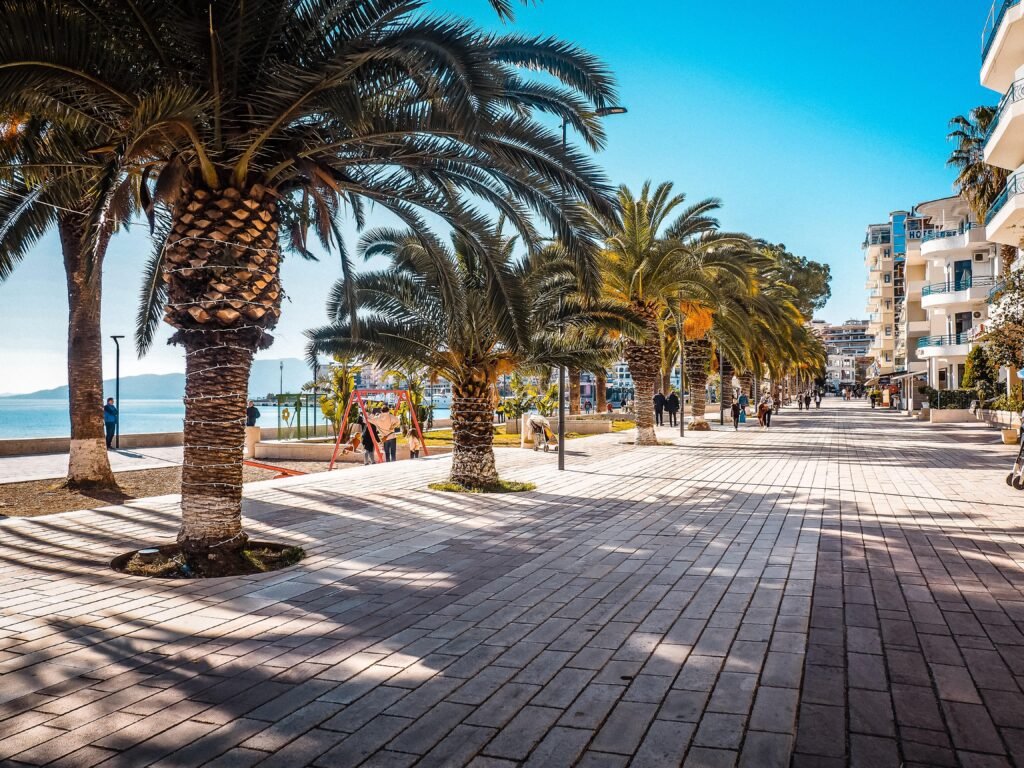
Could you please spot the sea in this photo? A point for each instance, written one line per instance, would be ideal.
(24, 418)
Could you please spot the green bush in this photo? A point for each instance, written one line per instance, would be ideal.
(949, 399)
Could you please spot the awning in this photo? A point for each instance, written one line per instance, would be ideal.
(908, 374)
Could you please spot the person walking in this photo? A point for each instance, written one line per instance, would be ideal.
(807, 401)
(252, 432)
(389, 425)
(110, 421)
(672, 406)
(659, 409)
(415, 445)
(587, 407)
(736, 410)
(772, 405)
(252, 414)
(817, 400)
(369, 435)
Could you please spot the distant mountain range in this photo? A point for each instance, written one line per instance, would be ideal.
(265, 379)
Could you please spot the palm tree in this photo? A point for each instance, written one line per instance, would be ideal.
(247, 124)
(649, 263)
(469, 314)
(28, 211)
(977, 182)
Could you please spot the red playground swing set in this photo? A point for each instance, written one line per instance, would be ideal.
(359, 396)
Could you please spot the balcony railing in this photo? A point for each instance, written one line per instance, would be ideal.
(1014, 186)
(944, 341)
(996, 292)
(963, 284)
(994, 22)
(1015, 94)
(940, 234)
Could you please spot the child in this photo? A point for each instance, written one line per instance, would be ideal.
(415, 445)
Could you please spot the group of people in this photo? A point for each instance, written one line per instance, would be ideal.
(663, 405)
(803, 399)
(383, 427)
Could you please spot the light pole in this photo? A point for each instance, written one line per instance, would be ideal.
(721, 387)
(680, 323)
(316, 403)
(601, 112)
(117, 390)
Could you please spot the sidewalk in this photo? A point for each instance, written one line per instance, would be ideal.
(16, 469)
(846, 588)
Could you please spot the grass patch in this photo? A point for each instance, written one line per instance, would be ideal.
(622, 425)
(502, 486)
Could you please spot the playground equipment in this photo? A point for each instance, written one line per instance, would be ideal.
(359, 396)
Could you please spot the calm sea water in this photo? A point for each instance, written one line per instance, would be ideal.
(49, 418)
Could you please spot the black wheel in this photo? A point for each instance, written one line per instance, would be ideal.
(1018, 483)
(1009, 479)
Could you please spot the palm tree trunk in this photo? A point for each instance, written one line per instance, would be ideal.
(666, 382)
(472, 432)
(726, 377)
(224, 293)
(574, 391)
(698, 357)
(601, 382)
(88, 464)
(216, 390)
(747, 384)
(644, 361)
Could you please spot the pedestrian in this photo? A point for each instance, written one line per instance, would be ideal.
(415, 445)
(110, 421)
(587, 407)
(736, 411)
(807, 401)
(799, 402)
(252, 414)
(659, 409)
(772, 404)
(672, 406)
(367, 439)
(389, 425)
(611, 408)
(817, 400)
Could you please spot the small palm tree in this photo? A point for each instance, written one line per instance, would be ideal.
(469, 314)
(648, 263)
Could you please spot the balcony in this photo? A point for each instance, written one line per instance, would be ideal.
(1003, 145)
(952, 345)
(1002, 44)
(970, 290)
(1005, 221)
(945, 240)
(996, 292)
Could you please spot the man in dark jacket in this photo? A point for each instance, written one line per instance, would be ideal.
(252, 414)
(110, 421)
(659, 409)
(672, 406)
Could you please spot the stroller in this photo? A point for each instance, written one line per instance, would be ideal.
(1016, 477)
(543, 437)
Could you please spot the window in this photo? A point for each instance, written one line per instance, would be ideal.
(888, 330)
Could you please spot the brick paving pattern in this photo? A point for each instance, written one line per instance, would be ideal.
(845, 589)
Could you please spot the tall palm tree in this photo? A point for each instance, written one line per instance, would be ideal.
(977, 182)
(28, 211)
(469, 313)
(649, 262)
(246, 122)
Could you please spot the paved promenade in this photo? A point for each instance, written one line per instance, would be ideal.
(845, 589)
(45, 466)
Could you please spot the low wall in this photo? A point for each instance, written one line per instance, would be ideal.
(951, 416)
(42, 445)
(1004, 419)
(594, 425)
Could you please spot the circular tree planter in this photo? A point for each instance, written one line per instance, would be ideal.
(166, 561)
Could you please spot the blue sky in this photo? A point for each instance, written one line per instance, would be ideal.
(809, 126)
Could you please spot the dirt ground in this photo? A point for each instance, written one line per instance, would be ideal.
(44, 497)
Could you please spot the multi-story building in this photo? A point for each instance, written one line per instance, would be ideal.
(847, 346)
(1002, 70)
(889, 250)
(958, 271)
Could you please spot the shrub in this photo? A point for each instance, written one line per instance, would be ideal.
(949, 399)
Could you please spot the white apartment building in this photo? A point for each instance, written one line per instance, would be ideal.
(958, 270)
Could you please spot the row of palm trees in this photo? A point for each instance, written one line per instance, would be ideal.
(665, 271)
(239, 129)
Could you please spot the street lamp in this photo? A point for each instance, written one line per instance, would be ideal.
(117, 390)
(600, 112)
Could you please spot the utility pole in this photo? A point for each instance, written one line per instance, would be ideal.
(117, 390)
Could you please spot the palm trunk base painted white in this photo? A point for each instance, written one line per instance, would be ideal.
(88, 461)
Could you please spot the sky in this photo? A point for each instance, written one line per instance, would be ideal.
(808, 125)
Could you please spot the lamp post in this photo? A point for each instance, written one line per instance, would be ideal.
(601, 112)
(117, 390)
